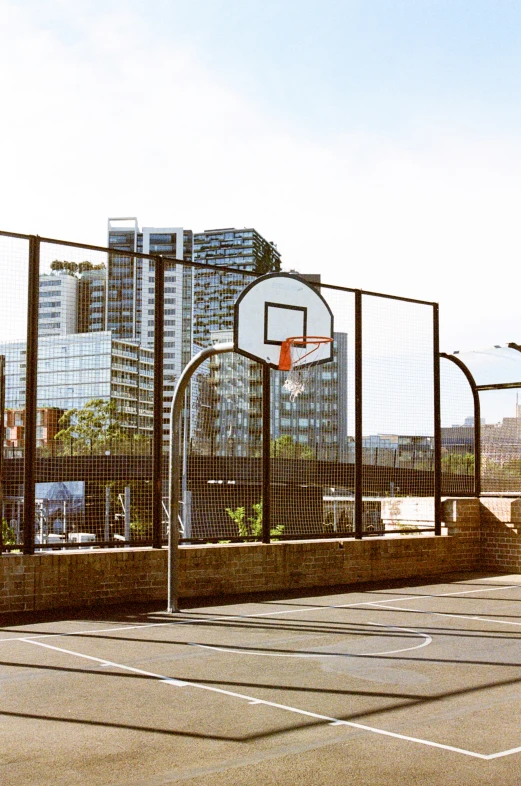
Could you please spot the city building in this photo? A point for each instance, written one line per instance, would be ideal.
(92, 299)
(58, 304)
(46, 426)
(399, 450)
(130, 310)
(75, 369)
(318, 418)
(215, 292)
(72, 299)
(228, 409)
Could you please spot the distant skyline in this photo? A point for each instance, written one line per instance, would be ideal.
(377, 143)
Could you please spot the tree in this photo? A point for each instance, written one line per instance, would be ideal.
(92, 427)
(8, 534)
(285, 447)
(458, 463)
(74, 268)
(68, 267)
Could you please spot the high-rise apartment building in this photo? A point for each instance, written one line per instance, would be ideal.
(130, 302)
(58, 304)
(92, 297)
(228, 418)
(72, 302)
(130, 306)
(215, 292)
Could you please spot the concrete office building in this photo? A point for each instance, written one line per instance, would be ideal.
(58, 304)
(72, 303)
(92, 298)
(130, 294)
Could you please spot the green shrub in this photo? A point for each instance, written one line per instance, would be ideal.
(251, 526)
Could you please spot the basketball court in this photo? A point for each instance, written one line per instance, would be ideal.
(383, 685)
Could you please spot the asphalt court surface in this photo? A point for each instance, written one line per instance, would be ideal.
(381, 686)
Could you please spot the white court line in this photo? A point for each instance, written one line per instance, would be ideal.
(372, 602)
(454, 616)
(225, 618)
(105, 662)
(87, 631)
(267, 654)
(252, 700)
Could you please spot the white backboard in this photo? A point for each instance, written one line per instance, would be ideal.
(276, 307)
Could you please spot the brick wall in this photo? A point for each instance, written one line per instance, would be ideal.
(500, 534)
(83, 578)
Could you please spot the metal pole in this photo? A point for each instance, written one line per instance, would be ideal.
(437, 421)
(107, 513)
(174, 484)
(266, 461)
(477, 443)
(31, 390)
(157, 438)
(127, 513)
(358, 417)
(184, 491)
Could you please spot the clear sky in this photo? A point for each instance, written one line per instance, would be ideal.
(377, 142)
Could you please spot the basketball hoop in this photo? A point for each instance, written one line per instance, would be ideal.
(294, 354)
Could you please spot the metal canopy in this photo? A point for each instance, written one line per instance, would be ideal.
(494, 368)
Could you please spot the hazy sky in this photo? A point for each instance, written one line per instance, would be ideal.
(375, 141)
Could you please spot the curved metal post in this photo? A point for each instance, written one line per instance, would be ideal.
(173, 466)
(477, 418)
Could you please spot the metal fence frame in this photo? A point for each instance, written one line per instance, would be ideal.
(476, 390)
(30, 451)
(476, 491)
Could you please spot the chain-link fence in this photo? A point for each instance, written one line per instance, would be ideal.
(94, 341)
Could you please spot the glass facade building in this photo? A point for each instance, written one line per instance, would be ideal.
(73, 370)
(215, 292)
(229, 408)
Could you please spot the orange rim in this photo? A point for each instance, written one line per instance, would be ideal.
(285, 361)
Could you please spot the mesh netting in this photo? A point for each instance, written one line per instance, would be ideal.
(500, 441)
(457, 431)
(312, 437)
(398, 413)
(103, 408)
(14, 255)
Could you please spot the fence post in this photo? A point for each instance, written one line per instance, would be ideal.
(437, 422)
(31, 392)
(358, 417)
(477, 417)
(266, 458)
(157, 438)
(477, 443)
